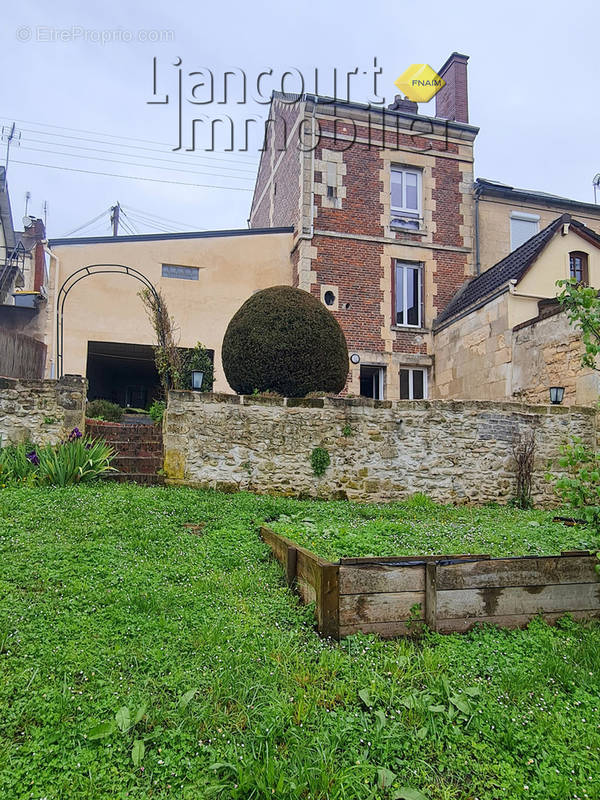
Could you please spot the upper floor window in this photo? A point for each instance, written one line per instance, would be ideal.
(408, 294)
(406, 210)
(522, 227)
(578, 267)
(177, 271)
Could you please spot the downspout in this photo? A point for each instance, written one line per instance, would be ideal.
(53, 364)
(477, 253)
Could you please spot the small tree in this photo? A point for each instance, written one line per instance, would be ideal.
(582, 306)
(579, 486)
(524, 456)
(167, 356)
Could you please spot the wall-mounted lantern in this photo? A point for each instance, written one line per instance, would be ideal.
(557, 394)
(197, 378)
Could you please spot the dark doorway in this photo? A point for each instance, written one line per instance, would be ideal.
(371, 382)
(122, 373)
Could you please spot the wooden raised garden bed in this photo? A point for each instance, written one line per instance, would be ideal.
(449, 593)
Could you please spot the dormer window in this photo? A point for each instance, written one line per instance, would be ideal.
(406, 211)
(578, 267)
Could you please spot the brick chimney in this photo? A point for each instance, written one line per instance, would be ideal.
(33, 238)
(452, 101)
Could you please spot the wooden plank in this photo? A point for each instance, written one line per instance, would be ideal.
(498, 602)
(328, 600)
(290, 571)
(373, 578)
(431, 572)
(510, 620)
(500, 572)
(307, 592)
(358, 608)
(390, 560)
(387, 630)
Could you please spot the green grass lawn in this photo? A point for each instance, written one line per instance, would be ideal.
(114, 616)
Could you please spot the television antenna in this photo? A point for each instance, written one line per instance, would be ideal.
(10, 134)
(596, 185)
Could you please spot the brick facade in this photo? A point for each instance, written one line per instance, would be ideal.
(333, 183)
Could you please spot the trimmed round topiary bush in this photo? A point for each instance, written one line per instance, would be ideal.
(284, 340)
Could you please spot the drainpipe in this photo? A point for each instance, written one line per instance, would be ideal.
(477, 253)
(54, 257)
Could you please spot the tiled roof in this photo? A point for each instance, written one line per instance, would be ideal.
(513, 267)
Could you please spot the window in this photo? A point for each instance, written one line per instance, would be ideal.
(413, 384)
(406, 198)
(522, 227)
(176, 271)
(408, 294)
(371, 382)
(578, 267)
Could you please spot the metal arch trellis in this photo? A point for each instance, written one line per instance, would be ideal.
(79, 275)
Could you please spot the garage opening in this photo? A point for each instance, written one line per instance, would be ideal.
(122, 373)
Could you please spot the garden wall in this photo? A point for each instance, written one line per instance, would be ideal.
(450, 593)
(41, 411)
(453, 451)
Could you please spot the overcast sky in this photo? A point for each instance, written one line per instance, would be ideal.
(81, 103)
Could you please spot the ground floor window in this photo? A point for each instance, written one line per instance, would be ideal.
(372, 381)
(413, 384)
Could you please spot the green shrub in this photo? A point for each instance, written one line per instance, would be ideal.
(104, 410)
(320, 460)
(77, 460)
(198, 358)
(284, 340)
(156, 411)
(580, 486)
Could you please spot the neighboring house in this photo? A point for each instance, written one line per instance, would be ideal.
(205, 277)
(504, 335)
(23, 306)
(505, 217)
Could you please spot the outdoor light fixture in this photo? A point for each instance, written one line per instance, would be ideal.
(557, 394)
(355, 358)
(197, 378)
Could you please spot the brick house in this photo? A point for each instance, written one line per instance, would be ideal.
(383, 211)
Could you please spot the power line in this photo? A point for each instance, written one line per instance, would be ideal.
(112, 152)
(249, 159)
(87, 224)
(134, 177)
(132, 164)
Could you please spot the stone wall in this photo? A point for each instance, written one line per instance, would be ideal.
(41, 411)
(547, 352)
(458, 452)
(473, 355)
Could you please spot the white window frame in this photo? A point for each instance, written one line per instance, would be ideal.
(523, 216)
(411, 371)
(379, 376)
(401, 216)
(407, 265)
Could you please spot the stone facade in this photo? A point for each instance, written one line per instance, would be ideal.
(43, 412)
(459, 452)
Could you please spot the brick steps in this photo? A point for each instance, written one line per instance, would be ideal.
(139, 450)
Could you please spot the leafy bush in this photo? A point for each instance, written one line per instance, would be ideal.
(156, 411)
(284, 340)
(104, 410)
(580, 487)
(319, 460)
(198, 358)
(77, 460)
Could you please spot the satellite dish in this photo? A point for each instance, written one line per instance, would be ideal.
(27, 222)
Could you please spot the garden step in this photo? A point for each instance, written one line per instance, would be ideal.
(135, 464)
(137, 449)
(134, 477)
